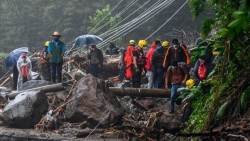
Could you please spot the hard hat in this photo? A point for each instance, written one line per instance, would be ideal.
(132, 42)
(175, 41)
(47, 43)
(190, 83)
(142, 43)
(165, 44)
(23, 55)
(56, 33)
(215, 53)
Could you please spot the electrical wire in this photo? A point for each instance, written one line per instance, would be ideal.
(105, 17)
(167, 20)
(116, 16)
(149, 10)
(148, 15)
(131, 28)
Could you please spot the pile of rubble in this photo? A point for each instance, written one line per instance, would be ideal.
(82, 106)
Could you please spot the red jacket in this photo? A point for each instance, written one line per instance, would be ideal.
(149, 56)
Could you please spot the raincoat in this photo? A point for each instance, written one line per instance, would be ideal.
(149, 56)
(128, 59)
(24, 67)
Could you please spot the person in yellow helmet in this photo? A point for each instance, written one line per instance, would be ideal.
(45, 65)
(165, 44)
(139, 62)
(189, 96)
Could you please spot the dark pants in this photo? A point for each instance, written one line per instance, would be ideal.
(25, 79)
(15, 77)
(160, 73)
(187, 113)
(136, 78)
(56, 69)
(94, 69)
(122, 74)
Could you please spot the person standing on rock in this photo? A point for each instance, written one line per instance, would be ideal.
(45, 65)
(96, 60)
(139, 62)
(157, 61)
(56, 50)
(24, 68)
(148, 66)
(178, 75)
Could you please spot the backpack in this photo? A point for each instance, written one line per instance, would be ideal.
(141, 60)
(202, 70)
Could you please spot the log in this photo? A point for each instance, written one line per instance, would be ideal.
(141, 92)
(48, 88)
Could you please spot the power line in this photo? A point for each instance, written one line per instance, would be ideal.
(167, 20)
(105, 16)
(117, 15)
(141, 21)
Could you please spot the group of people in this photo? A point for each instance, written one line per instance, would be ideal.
(166, 66)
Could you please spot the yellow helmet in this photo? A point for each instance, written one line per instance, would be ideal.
(47, 43)
(165, 44)
(190, 83)
(142, 43)
(132, 42)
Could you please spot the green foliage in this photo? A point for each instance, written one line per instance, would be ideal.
(222, 110)
(232, 22)
(207, 26)
(2, 55)
(245, 98)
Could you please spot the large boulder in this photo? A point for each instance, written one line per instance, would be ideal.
(25, 110)
(92, 103)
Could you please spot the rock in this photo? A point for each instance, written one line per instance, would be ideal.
(34, 84)
(146, 103)
(78, 74)
(25, 110)
(90, 100)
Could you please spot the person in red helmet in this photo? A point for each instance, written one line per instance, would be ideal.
(24, 68)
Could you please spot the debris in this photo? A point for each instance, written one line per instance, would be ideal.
(25, 110)
(91, 100)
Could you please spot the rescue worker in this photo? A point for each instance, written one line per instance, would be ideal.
(150, 73)
(188, 98)
(56, 50)
(157, 61)
(178, 76)
(96, 60)
(165, 44)
(128, 60)
(24, 68)
(45, 65)
(178, 53)
(122, 65)
(139, 62)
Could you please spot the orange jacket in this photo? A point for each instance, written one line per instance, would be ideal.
(128, 60)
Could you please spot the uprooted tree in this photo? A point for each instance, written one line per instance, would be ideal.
(223, 101)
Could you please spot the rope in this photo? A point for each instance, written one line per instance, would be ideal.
(167, 20)
(105, 17)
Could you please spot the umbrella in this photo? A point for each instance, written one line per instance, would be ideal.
(86, 40)
(12, 58)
